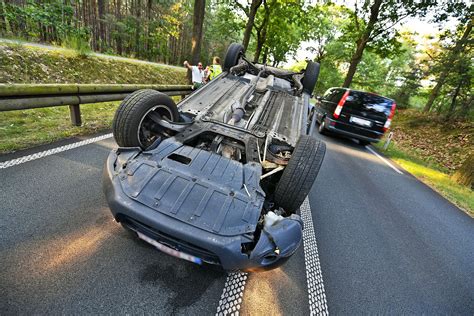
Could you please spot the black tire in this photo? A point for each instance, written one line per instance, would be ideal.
(132, 126)
(363, 143)
(322, 127)
(234, 51)
(310, 78)
(300, 173)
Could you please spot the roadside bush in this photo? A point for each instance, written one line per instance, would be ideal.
(78, 42)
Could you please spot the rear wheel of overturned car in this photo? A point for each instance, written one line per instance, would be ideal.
(310, 78)
(300, 173)
(234, 51)
(136, 120)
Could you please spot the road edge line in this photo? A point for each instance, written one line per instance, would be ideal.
(49, 152)
(383, 159)
(316, 293)
(232, 294)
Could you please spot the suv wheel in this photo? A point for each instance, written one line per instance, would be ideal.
(322, 126)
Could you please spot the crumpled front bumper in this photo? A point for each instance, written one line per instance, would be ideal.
(275, 244)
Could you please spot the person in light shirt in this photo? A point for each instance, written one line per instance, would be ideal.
(197, 74)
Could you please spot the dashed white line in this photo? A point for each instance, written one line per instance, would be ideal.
(232, 295)
(316, 294)
(41, 154)
(383, 159)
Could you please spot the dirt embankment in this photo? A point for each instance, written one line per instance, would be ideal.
(28, 64)
(433, 139)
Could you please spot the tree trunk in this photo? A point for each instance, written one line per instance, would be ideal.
(434, 93)
(262, 34)
(265, 55)
(258, 49)
(118, 15)
(93, 22)
(465, 174)
(138, 25)
(362, 43)
(149, 5)
(251, 18)
(102, 34)
(447, 68)
(453, 100)
(198, 20)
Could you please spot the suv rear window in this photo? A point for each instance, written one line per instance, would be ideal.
(373, 104)
(334, 95)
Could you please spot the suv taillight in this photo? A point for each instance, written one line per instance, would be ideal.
(339, 106)
(389, 120)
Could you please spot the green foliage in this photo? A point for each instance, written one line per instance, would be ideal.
(285, 30)
(77, 42)
(222, 27)
(46, 21)
(456, 69)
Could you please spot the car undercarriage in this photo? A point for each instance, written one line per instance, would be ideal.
(219, 178)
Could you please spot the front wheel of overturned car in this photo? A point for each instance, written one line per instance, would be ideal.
(300, 173)
(136, 120)
(234, 51)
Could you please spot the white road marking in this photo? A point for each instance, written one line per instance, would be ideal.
(232, 295)
(383, 159)
(316, 294)
(41, 154)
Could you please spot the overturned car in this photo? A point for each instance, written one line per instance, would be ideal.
(219, 178)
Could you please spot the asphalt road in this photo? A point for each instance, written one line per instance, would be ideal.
(387, 244)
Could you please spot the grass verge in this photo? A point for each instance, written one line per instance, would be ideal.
(28, 128)
(433, 175)
(24, 63)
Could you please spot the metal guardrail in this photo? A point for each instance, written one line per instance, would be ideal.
(32, 96)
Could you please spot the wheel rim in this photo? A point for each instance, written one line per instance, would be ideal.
(148, 130)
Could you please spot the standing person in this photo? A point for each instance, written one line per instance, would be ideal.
(215, 68)
(197, 74)
(206, 74)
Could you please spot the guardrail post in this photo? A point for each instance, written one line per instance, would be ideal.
(387, 142)
(75, 112)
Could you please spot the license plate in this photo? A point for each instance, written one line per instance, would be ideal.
(360, 121)
(168, 250)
